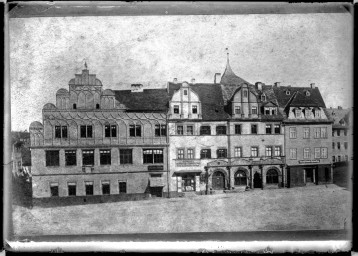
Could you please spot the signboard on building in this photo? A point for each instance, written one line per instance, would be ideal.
(188, 163)
(155, 167)
(308, 161)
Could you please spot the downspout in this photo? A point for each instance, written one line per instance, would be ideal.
(229, 153)
(168, 151)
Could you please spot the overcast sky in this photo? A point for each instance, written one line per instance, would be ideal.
(294, 49)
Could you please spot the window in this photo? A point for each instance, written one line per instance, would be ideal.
(306, 132)
(277, 129)
(122, 187)
(268, 128)
(333, 158)
(338, 133)
(277, 151)
(70, 157)
(338, 158)
(205, 154)
(195, 109)
(273, 111)
(190, 153)
(71, 188)
(105, 156)
(267, 111)
(332, 133)
(135, 130)
(254, 151)
(74, 106)
(323, 132)
(317, 113)
(345, 132)
(272, 176)
(254, 110)
(220, 130)
(238, 152)
(205, 130)
(338, 145)
(345, 145)
(293, 133)
(110, 130)
(185, 92)
(346, 158)
(176, 109)
(317, 153)
(189, 130)
(237, 110)
(151, 156)
(86, 131)
(106, 188)
(97, 106)
(288, 92)
(180, 153)
(333, 145)
(60, 131)
(308, 93)
(89, 188)
(268, 151)
(253, 129)
(306, 153)
(160, 130)
(87, 157)
(245, 93)
(263, 97)
(221, 153)
(324, 152)
(293, 153)
(125, 156)
(54, 188)
(180, 130)
(240, 178)
(52, 158)
(298, 112)
(237, 129)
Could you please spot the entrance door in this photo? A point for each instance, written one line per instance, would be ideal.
(327, 174)
(309, 175)
(156, 191)
(257, 180)
(218, 180)
(188, 182)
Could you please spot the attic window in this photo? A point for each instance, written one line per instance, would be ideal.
(308, 93)
(263, 97)
(288, 92)
(185, 92)
(245, 93)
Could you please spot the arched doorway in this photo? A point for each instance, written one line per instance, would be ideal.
(272, 177)
(240, 178)
(218, 180)
(257, 180)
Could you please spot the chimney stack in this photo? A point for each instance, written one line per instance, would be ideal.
(193, 80)
(313, 85)
(217, 78)
(339, 107)
(175, 80)
(259, 86)
(277, 84)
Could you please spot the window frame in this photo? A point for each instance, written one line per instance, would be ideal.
(221, 153)
(119, 187)
(220, 130)
(268, 151)
(207, 154)
(88, 154)
(252, 128)
(292, 131)
(306, 135)
(237, 110)
(324, 152)
(89, 183)
(238, 152)
(61, 132)
(125, 156)
(256, 151)
(70, 153)
(317, 153)
(180, 153)
(72, 185)
(277, 151)
(194, 107)
(160, 130)
(275, 127)
(182, 130)
(135, 130)
(254, 110)
(190, 155)
(53, 161)
(203, 133)
(107, 183)
(293, 153)
(187, 129)
(54, 185)
(86, 131)
(268, 126)
(105, 157)
(308, 151)
(154, 158)
(176, 109)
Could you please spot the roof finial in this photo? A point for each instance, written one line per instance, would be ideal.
(85, 65)
(227, 53)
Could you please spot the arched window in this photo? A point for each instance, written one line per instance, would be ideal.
(272, 176)
(240, 178)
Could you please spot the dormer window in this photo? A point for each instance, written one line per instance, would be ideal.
(308, 93)
(254, 110)
(273, 111)
(195, 109)
(245, 93)
(263, 97)
(288, 92)
(298, 112)
(237, 110)
(176, 109)
(267, 111)
(185, 92)
(318, 113)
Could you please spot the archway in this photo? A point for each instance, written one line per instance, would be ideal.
(240, 178)
(218, 180)
(272, 176)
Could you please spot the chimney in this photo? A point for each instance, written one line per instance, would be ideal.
(313, 85)
(217, 78)
(289, 85)
(277, 84)
(259, 86)
(175, 80)
(339, 107)
(193, 80)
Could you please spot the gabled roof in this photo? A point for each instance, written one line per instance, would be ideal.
(148, 100)
(336, 115)
(210, 95)
(298, 97)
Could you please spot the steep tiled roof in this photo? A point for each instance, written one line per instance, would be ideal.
(298, 96)
(270, 94)
(211, 99)
(229, 77)
(337, 115)
(148, 100)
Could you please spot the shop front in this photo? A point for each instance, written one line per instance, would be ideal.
(188, 180)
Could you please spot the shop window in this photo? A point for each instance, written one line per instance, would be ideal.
(105, 156)
(160, 130)
(272, 177)
(89, 188)
(70, 157)
(205, 154)
(237, 128)
(152, 156)
(221, 153)
(240, 178)
(125, 156)
(60, 131)
(86, 131)
(106, 188)
(135, 130)
(205, 130)
(54, 188)
(52, 158)
(71, 186)
(220, 130)
(88, 157)
(122, 187)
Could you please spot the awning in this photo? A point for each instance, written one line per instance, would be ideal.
(188, 171)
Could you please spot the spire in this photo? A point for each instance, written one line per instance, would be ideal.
(229, 77)
(227, 53)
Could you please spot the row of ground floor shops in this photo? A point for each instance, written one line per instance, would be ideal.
(214, 177)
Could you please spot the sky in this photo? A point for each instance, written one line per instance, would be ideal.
(294, 49)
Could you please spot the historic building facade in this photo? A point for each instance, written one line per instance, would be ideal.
(185, 138)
